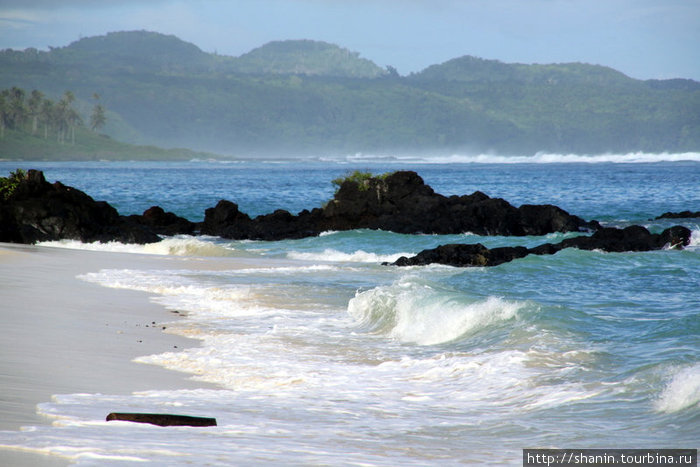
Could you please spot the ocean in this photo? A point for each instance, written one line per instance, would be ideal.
(322, 356)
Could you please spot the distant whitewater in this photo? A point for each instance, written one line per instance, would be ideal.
(539, 158)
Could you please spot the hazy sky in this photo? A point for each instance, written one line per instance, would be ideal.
(642, 38)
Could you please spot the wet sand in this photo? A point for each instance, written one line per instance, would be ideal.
(63, 335)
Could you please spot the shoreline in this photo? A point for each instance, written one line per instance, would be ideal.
(64, 335)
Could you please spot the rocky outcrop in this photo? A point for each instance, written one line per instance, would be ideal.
(633, 238)
(463, 255)
(679, 215)
(35, 210)
(162, 419)
(39, 211)
(400, 202)
(164, 223)
(225, 220)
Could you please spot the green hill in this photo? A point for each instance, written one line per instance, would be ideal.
(474, 69)
(139, 50)
(294, 97)
(308, 58)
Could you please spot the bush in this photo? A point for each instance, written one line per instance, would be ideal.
(8, 185)
(361, 178)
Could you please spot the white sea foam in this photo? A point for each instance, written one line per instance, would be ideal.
(181, 245)
(114, 247)
(359, 256)
(176, 290)
(539, 158)
(694, 238)
(411, 311)
(682, 391)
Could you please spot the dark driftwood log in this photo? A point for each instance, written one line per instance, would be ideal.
(161, 419)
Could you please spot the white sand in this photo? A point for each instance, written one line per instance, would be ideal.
(62, 335)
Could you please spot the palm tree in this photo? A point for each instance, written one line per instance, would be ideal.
(3, 113)
(66, 118)
(46, 115)
(60, 120)
(98, 118)
(73, 118)
(34, 104)
(69, 97)
(18, 110)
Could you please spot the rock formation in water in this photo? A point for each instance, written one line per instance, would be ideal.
(633, 238)
(39, 211)
(35, 210)
(679, 215)
(400, 202)
(164, 223)
(32, 210)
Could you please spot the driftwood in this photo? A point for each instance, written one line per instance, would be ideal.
(161, 419)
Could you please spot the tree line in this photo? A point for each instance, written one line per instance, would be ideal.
(24, 112)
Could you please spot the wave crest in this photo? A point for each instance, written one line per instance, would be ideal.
(682, 391)
(415, 312)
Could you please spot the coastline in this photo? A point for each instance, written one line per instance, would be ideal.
(63, 335)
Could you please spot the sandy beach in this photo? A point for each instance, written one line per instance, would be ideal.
(63, 335)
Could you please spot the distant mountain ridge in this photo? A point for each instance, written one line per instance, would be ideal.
(150, 50)
(302, 96)
(468, 68)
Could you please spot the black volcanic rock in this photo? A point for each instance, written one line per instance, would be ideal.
(40, 211)
(400, 202)
(225, 220)
(464, 255)
(164, 223)
(679, 215)
(633, 238)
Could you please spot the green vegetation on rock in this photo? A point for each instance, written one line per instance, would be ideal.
(359, 177)
(8, 185)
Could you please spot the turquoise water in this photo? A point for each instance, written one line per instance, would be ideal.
(324, 356)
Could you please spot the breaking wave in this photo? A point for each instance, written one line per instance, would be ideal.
(412, 311)
(181, 245)
(682, 391)
(359, 256)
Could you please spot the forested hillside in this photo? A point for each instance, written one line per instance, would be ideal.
(295, 97)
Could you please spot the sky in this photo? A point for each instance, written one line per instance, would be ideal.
(645, 39)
